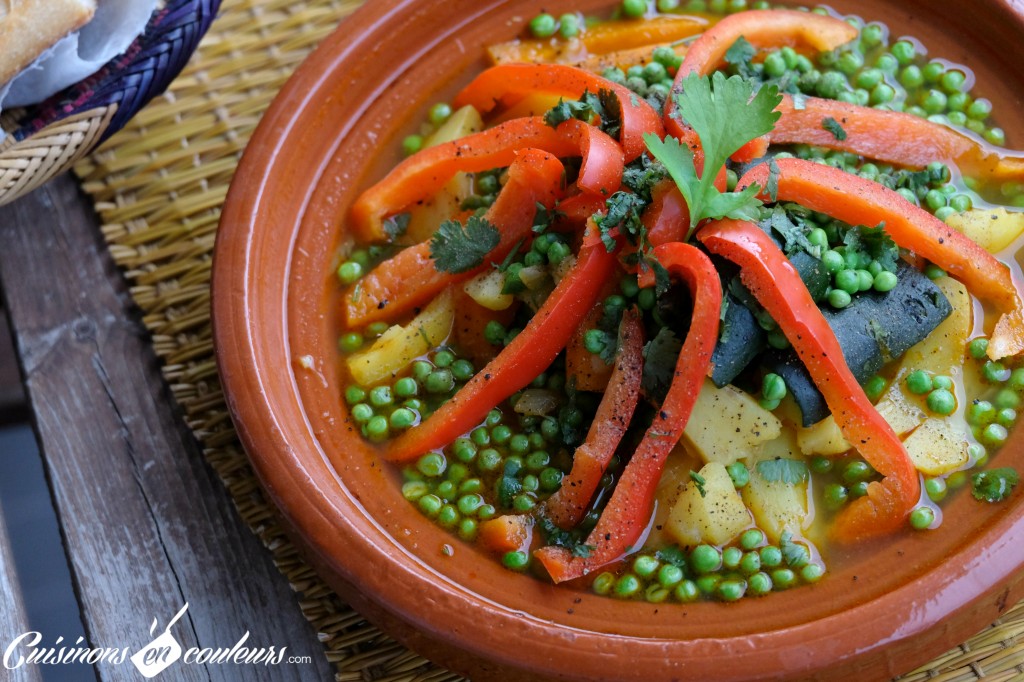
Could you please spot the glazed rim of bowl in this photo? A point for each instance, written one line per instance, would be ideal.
(278, 235)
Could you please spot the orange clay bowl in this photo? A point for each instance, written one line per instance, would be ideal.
(331, 132)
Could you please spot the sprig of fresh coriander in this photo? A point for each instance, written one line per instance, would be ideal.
(726, 114)
(994, 485)
(455, 249)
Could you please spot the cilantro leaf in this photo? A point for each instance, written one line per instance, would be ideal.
(584, 109)
(674, 555)
(624, 210)
(660, 355)
(790, 471)
(796, 555)
(740, 54)
(772, 184)
(794, 233)
(642, 175)
(875, 242)
(509, 485)
(832, 126)
(699, 481)
(726, 114)
(396, 225)
(570, 540)
(994, 485)
(455, 249)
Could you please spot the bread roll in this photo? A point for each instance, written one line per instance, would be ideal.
(29, 27)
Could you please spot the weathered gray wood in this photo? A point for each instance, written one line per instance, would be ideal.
(147, 525)
(13, 621)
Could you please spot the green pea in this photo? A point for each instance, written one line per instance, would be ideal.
(994, 435)
(919, 382)
(439, 381)
(783, 578)
(489, 460)
(865, 280)
(468, 529)
(523, 503)
(911, 76)
(1007, 398)
(980, 412)
(355, 394)
(414, 490)
(594, 341)
(833, 261)
(543, 25)
(759, 584)
(380, 396)
(836, 496)
(859, 489)
(848, 281)
(935, 488)
(941, 401)
(883, 93)
(739, 474)
(957, 102)
(887, 63)
(627, 586)
(904, 51)
(1006, 417)
(1016, 380)
(569, 25)
(646, 299)
(470, 504)
(349, 272)
(645, 566)
(402, 418)
(775, 65)
(707, 583)
(832, 83)
(516, 560)
(933, 271)
(446, 490)
(669, 575)
(412, 144)
(812, 573)
(752, 539)
(944, 212)
(935, 199)
(942, 381)
(953, 81)
(634, 8)
(979, 109)
(771, 556)
(439, 113)
(463, 370)
(922, 518)
(869, 78)
(362, 413)
(377, 428)
(421, 369)
(457, 473)
(839, 298)
(995, 372)
(494, 333)
(731, 590)
(750, 563)
(350, 342)
(686, 592)
(432, 464)
(430, 505)
(932, 72)
(705, 559)
(934, 102)
(875, 386)
(731, 557)
(995, 136)
(773, 387)
(603, 583)
(850, 62)
(961, 203)
(957, 118)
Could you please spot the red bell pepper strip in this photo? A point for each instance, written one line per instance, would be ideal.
(567, 506)
(628, 513)
(894, 137)
(423, 174)
(507, 83)
(858, 201)
(667, 218)
(529, 354)
(410, 279)
(777, 286)
(762, 28)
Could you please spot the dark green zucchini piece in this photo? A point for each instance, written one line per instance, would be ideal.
(741, 338)
(872, 330)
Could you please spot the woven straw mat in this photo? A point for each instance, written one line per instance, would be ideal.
(158, 186)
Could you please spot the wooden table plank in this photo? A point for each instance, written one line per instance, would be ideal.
(13, 621)
(147, 525)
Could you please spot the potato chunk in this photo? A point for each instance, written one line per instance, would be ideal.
(400, 345)
(727, 423)
(993, 229)
(937, 447)
(777, 506)
(716, 517)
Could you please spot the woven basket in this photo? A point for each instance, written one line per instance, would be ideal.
(45, 140)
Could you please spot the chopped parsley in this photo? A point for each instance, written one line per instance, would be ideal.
(604, 106)
(795, 554)
(396, 225)
(457, 249)
(555, 536)
(726, 114)
(875, 242)
(783, 470)
(699, 481)
(832, 126)
(741, 55)
(994, 485)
